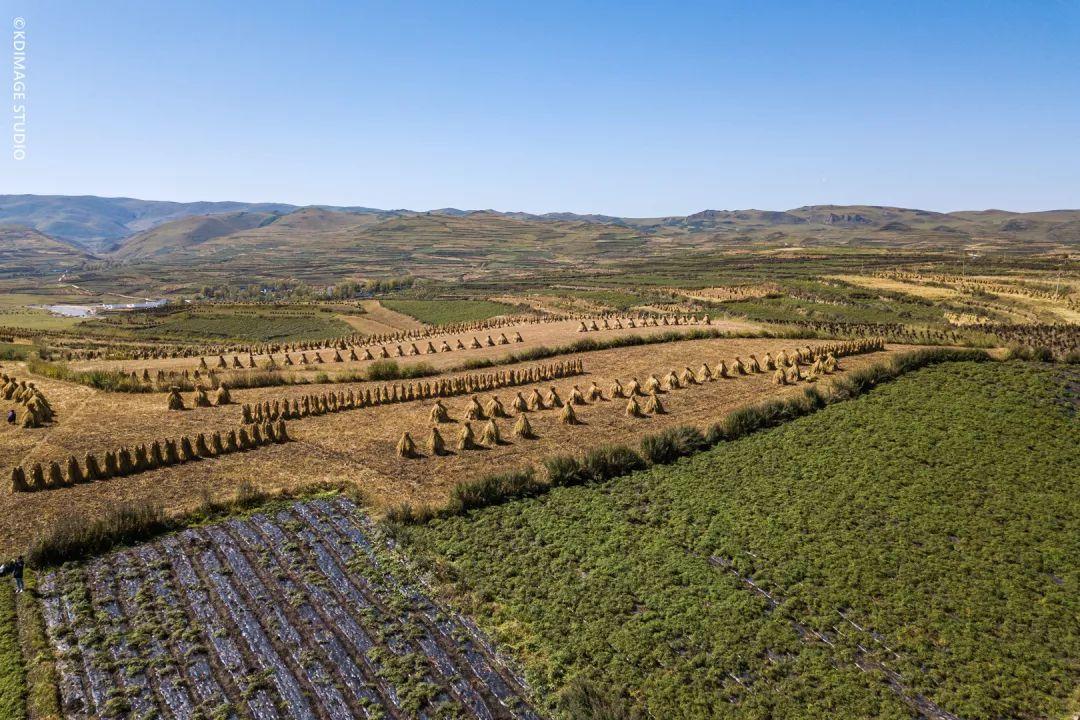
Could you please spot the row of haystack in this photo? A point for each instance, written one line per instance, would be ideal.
(388, 394)
(199, 398)
(142, 458)
(647, 321)
(490, 436)
(36, 410)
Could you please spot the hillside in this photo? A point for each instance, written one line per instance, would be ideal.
(180, 235)
(93, 223)
(28, 252)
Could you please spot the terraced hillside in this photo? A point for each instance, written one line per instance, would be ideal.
(296, 613)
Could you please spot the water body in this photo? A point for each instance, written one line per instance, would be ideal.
(88, 310)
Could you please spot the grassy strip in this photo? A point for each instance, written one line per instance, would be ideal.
(42, 696)
(12, 670)
(607, 462)
(75, 537)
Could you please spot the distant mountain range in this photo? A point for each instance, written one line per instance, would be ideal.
(52, 232)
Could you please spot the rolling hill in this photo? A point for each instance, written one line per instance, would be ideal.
(28, 252)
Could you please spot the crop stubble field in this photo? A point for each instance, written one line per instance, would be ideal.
(358, 446)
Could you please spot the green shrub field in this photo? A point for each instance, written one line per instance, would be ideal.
(441, 312)
(918, 544)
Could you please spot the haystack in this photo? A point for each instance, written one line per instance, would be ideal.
(633, 409)
(174, 401)
(187, 450)
(495, 408)
(568, 416)
(722, 370)
(687, 377)
(522, 428)
(473, 411)
(37, 477)
(793, 373)
(281, 432)
(575, 397)
(552, 399)
(74, 471)
(519, 404)
(93, 470)
(201, 448)
(653, 405)
(439, 413)
(142, 460)
(56, 475)
(406, 448)
(536, 400)
(673, 381)
(779, 377)
(466, 439)
(752, 365)
(490, 435)
(172, 455)
(18, 480)
(617, 390)
(830, 365)
(475, 344)
(243, 439)
(594, 393)
(460, 345)
(737, 366)
(582, 327)
(223, 396)
(436, 442)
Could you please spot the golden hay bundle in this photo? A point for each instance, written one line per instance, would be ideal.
(460, 345)
(466, 439)
(594, 393)
(142, 460)
(633, 409)
(281, 432)
(495, 408)
(722, 370)
(37, 477)
(439, 413)
(406, 448)
(779, 377)
(522, 428)
(243, 440)
(518, 338)
(174, 401)
(473, 411)
(187, 450)
(575, 397)
(652, 384)
(653, 406)
(74, 471)
(475, 344)
(582, 327)
(200, 399)
(705, 373)
(56, 475)
(753, 365)
(236, 362)
(93, 470)
(257, 438)
(172, 455)
(617, 390)
(737, 366)
(519, 404)
(124, 461)
(688, 378)
(223, 396)
(634, 388)
(490, 434)
(221, 362)
(673, 381)
(568, 416)
(436, 442)
(793, 373)
(536, 400)
(552, 399)
(18, 480)
(767, 362)
(830, 365)
(201, 448)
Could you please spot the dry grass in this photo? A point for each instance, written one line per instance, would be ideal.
(358, 446)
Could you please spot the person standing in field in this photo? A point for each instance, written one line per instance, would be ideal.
(11, 416)
(17, 572)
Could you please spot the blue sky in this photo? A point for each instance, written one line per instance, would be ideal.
(628, 108)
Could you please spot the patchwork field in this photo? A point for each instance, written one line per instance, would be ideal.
(358, 446)
(302, 612)
(912, 553)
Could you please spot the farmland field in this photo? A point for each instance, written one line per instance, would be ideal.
(299, 612)
(914, 551)
(443, 312)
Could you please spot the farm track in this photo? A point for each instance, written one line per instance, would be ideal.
(298, 614)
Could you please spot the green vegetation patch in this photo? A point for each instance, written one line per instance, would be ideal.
(441, 312)
(931, 527)
(12, 671)
(248, 323)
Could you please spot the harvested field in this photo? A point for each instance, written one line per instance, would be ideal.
(533, 335)
(378, 319)
(358, 446)
(302, 612)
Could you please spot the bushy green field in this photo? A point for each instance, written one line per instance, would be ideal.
(12, 673)
(930, 528)
(248, 323)
(441, 312)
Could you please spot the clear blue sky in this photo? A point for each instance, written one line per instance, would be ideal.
(629, 108)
